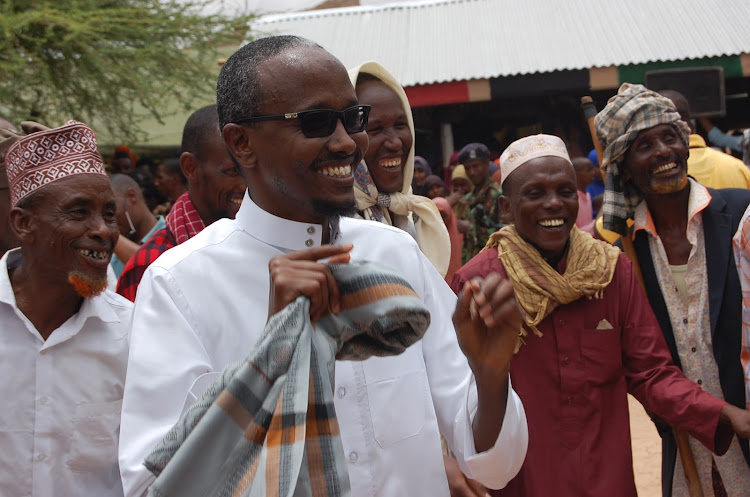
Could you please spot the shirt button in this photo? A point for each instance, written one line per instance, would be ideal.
(562, 322)
(43, 352)
(43, 401)
(566, 360)
(311, 230)
(700, 382)
(41, 457)
(570, 399)
(693, 349)
(309, 243)
(684, 321)
(353, 457)
(341, 392)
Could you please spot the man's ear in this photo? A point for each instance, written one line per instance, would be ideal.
(189, 165)
(506, 215)
(240, 144)
(22, 222)
(131, 197)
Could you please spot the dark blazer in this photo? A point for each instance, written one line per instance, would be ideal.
(720, 220)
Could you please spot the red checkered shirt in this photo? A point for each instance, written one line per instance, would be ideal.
(160, 242)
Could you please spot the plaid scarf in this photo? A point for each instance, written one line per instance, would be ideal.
(632, 110)
(183, 220)
(268, 425)
(539, 288)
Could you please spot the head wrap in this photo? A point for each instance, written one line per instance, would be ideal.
(420, 164)
(634, 109)
(433, 180)
(522, 151)
(459, 172)
(397, 208)
(121, 151)
(474, 151)
(41, 158)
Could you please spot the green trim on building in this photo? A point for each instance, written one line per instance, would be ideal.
(636, 73)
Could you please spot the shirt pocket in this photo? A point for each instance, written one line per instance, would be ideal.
(602, 354)
(397, 393)
(96, 430)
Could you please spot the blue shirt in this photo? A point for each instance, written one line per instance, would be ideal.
(118, 265)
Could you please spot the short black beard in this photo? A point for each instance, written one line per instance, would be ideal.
(330, 211)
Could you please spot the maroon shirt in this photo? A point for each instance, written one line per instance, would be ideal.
(573, 383)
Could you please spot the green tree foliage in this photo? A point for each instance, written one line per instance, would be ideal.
(109, 61)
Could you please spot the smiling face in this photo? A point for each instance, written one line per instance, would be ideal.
(216, 187)
(541, 199)
(72, 229)
(288, 174)
(390, 137)
(656, 162)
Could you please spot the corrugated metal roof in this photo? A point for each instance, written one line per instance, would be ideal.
(437, 41)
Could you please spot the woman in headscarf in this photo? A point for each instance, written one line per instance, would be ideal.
(434, 186)
(422, 171)
(382, 182)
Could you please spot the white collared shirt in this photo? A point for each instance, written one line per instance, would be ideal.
(203, 304)
(61, 398)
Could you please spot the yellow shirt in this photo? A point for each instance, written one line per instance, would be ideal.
(715, 169)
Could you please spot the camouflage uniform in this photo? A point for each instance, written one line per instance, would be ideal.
(482, 213)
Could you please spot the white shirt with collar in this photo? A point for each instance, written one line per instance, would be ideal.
(61, 398)
(203, 304)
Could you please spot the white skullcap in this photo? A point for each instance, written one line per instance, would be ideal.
(522, 151)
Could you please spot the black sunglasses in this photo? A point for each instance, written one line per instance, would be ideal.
(318, 123)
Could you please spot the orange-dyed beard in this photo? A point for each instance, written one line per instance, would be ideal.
(670, 187)
(85, 286)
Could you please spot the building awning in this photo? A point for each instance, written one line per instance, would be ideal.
(470, 49)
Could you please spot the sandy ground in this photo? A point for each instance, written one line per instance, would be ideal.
(646, 451)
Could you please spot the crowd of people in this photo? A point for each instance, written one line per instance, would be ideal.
(298, 305)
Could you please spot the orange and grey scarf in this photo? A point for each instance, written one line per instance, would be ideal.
(268, 425)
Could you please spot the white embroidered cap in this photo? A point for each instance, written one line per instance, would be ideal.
(521, 151)
(41, 158)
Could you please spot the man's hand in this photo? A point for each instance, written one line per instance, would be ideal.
(300, 273)
(738, 419)
(487, 321)
(459, 485)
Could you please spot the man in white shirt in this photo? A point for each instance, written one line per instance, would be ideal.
(65, 339)
(204, 303)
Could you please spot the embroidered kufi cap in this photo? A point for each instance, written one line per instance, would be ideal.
(41, 158)
(522, 151)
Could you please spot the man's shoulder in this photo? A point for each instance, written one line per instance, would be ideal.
(735, 200)
(198, 245)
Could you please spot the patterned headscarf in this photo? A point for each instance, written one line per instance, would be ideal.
(634, 109)
(268, 426)
(396, 209)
